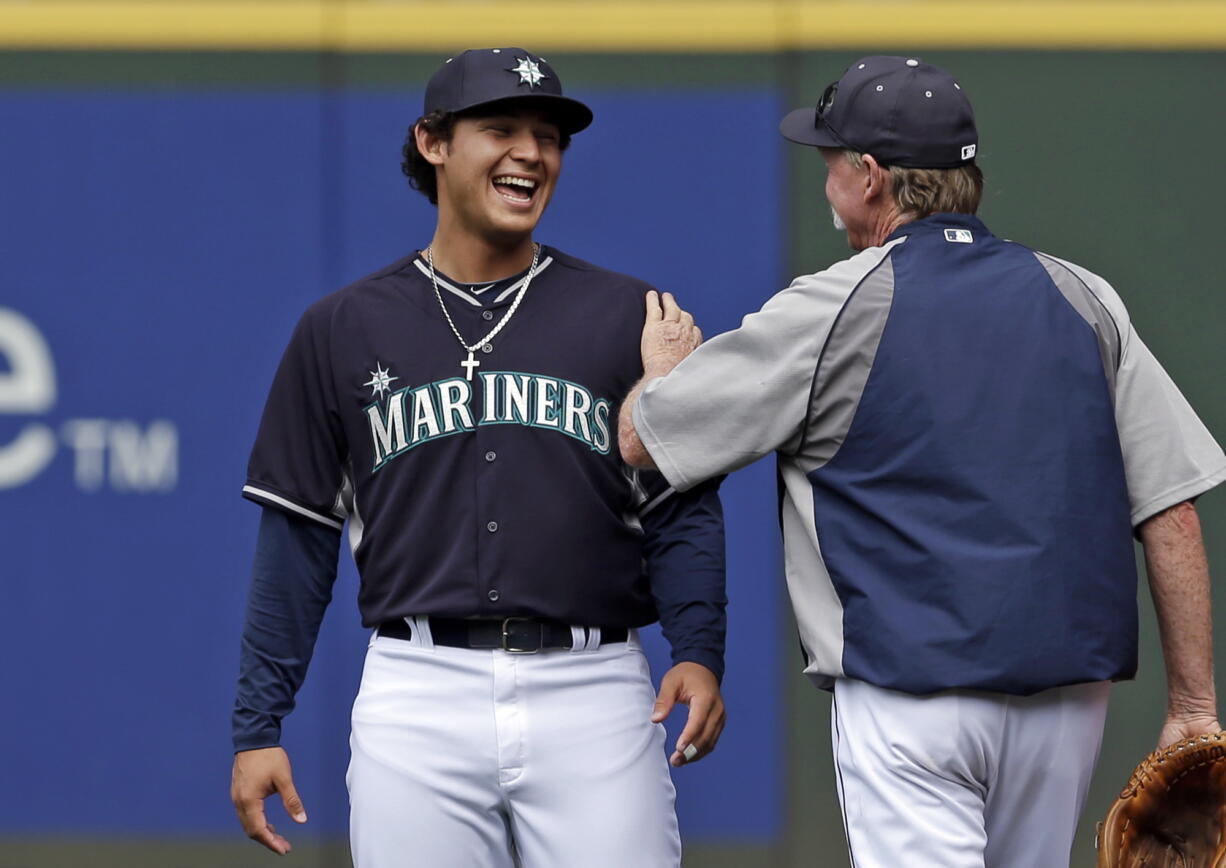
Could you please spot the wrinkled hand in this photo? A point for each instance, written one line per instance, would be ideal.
(1180, 726)
(257, 775)
(669, 335)
(694, 685)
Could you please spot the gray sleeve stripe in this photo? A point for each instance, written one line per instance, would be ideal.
(1090, 307)
(844, 363)
(746, 392)
(639, 505)
(659, 498)
(638, 493)
(344, 494)
(347, 501)
(260, 494)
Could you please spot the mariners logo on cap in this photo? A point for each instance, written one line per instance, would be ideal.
(529, 73)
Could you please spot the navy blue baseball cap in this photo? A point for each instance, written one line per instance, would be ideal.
(899, 109)
(481, 76)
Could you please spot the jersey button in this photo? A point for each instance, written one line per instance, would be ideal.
(493, 596)
(491, 455)
(487, 348)
(487, 315)
(492, 526)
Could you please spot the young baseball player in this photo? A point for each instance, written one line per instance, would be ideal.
(456, 410)
(969, 433)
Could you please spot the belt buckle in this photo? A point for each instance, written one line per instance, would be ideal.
(506, 636)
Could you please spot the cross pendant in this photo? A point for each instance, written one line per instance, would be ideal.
(469, 365)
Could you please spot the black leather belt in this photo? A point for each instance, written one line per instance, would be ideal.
(517, 635)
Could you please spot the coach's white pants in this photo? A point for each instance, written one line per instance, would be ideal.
(456, 753)
(964, 779)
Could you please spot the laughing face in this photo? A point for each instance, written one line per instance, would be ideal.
(497, 174)
(845, 195)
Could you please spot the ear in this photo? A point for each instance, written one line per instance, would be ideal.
(430, 146)
(876, 179)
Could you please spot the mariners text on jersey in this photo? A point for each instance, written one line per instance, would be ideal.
(414, 415)
(494, 496)
(446, 481)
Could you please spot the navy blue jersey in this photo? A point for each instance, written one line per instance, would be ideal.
(498, 495)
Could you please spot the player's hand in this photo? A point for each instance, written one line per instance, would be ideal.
(1180, 726)
(669, 335)
(257, 775)
(694, 685)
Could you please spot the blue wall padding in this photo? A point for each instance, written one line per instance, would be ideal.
(163, 244)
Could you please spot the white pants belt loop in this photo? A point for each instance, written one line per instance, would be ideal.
(422, 637)
(578, 639)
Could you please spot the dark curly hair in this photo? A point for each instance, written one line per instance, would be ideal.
(418, 169)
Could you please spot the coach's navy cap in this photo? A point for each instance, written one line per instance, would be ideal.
(481, 76)
(901, 110)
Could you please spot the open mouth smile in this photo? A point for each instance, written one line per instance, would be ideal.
(515, 189)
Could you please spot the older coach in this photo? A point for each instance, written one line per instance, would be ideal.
(969, 433)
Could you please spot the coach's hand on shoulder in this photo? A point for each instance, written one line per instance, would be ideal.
(694, 685)
(257, 775)
(669, 335)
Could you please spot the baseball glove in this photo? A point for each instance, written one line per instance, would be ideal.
(1172, 814)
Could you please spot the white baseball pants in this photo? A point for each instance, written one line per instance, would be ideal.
(486, 759)
(964, 779)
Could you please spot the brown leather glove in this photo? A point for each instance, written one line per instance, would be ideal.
(1172, 814)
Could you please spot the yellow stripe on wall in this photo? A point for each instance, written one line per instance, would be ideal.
(609, 25)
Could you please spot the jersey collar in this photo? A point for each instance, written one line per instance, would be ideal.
(939, 222)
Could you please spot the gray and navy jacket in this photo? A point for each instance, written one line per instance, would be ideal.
(967, 433)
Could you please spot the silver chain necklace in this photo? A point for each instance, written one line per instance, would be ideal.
(470, 363)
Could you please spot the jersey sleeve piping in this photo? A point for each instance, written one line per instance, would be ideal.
(265, 497)
(1119, 336)
(1176, 495)
(656, 501)
(803, 437)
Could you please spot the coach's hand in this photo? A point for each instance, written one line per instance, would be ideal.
(257, 775)
(669, 335)
(1179, 726)
(694, 685)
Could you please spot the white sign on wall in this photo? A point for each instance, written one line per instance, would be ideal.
(115, 454)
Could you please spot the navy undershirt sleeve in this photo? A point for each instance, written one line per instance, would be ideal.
(291, 586)
(684, 549)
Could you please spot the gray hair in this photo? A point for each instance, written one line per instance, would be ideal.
(920, 192)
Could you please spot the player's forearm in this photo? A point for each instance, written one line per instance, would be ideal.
(684, 551)
(1179, 582)
(631, 445)
(291, 585)
(697, 635)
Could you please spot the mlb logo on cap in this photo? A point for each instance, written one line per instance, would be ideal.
(902, 111)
